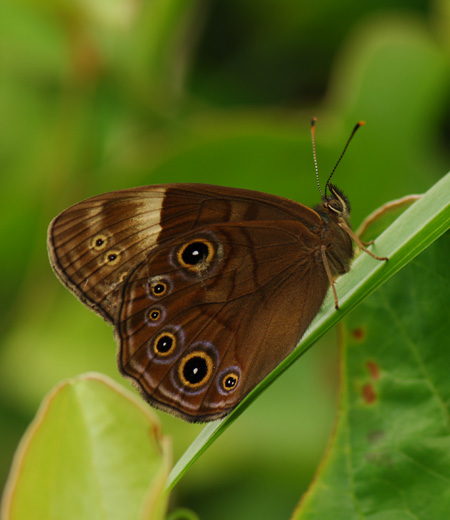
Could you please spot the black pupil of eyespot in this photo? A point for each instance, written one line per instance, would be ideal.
(99, 242)
(164, 344)
(195, 253)
(112, 257)
(230, 382)
(158, 288)
(155, 315)
(195, 370)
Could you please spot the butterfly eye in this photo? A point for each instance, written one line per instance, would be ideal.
(194, 253)
(338, 203)
(164, 344)
(195, 369)
(335, 206)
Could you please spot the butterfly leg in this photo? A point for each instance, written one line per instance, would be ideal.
(329, 275)
(360, 243)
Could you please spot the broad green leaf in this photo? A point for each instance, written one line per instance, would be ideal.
(390, 456)
(410, 234)
(94, 451)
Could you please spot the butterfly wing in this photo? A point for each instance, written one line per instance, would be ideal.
(209, 287)
(195, 338)
(95, 244)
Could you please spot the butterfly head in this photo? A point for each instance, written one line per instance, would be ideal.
(336, 203)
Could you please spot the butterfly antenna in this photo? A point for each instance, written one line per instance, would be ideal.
(360, 123)
(313, 138)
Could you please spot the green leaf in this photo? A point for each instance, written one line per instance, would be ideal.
(410, 234)
(94, 451)
(389, 458)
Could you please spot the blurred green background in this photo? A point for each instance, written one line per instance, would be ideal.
(104, 95)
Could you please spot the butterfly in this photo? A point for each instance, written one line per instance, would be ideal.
(208, 288)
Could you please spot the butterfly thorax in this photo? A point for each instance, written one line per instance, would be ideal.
(335, 214)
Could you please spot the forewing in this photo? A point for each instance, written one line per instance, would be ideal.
(94, 245)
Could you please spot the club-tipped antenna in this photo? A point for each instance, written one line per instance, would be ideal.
(313, 138)
(360, 123)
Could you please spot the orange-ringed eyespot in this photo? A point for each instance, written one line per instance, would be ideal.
(230, 381)
(164, 344)
(195, 252)
(158, 288)
(112, 257)
(195, 369)
(154, 314)
(98, 242)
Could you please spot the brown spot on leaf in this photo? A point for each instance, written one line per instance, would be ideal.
(368, 393)
(358, 333)
(373, 369)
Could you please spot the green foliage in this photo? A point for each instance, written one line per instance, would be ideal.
(389, 457)
(88, 452)
(93, 451)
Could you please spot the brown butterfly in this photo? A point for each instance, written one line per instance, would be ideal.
(208, 288)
